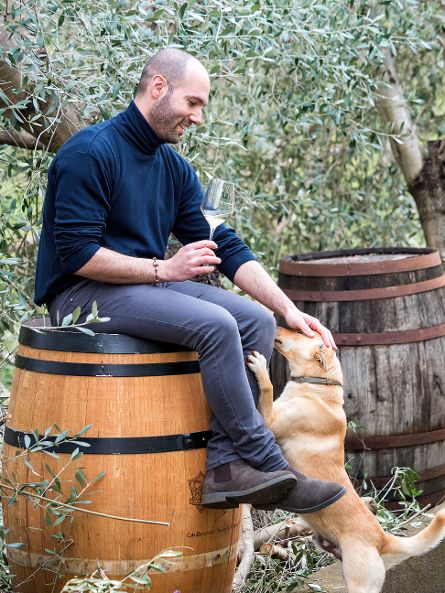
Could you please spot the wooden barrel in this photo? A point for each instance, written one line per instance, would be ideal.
(149, 428)
(386, 309)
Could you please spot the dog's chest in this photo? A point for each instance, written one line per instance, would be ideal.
(309, 444)
(300, 413)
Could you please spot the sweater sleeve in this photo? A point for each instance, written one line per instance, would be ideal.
(82, 203)
(190, 226)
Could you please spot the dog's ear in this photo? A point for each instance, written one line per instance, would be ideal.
(320, 356)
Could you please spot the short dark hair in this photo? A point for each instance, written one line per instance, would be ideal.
(170, 63)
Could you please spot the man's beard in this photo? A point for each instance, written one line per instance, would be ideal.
(164, 121)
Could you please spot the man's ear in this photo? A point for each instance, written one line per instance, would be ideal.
(320, 357)
(158, 86)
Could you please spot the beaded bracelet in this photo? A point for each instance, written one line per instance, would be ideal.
(155, 270)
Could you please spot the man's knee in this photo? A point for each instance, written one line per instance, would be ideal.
(225, 324)
(264, 322)
(268, 323)
(216, 328)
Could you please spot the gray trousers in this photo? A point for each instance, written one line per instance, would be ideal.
(221, 326)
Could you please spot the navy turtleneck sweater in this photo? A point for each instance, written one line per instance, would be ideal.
(117, 185)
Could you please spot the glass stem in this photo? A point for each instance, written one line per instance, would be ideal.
(212, 230)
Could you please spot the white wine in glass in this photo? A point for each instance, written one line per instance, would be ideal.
(218, 203)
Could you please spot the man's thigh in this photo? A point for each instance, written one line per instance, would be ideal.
(147, 311)
(244, 310)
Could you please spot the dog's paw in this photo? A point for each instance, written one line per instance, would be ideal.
(256, 363)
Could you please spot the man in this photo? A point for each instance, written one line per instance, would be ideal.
(116, 191)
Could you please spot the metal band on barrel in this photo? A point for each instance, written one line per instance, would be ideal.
(35, 335)
(388, 338)
(393, 441)
(434, 474)
(83, 369)
(365, 294)
(430, 477)
(110, 446)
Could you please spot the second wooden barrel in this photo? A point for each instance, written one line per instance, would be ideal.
(149, 430)
(386, 309)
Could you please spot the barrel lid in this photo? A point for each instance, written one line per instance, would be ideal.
(38, 333)
(359, 262)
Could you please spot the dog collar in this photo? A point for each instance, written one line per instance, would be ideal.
(319, 380)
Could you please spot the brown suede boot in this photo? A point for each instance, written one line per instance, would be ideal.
(228, 485)
(307, 496)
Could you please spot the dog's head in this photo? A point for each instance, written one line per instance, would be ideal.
(308, 356)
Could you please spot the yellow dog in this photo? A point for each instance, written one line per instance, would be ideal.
(309, 423)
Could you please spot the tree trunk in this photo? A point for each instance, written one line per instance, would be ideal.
(424, 173)
(428, 190)
(50, 131)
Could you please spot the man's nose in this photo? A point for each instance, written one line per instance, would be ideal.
(197, 116)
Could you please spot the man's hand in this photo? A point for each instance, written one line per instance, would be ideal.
(254, 280)
(190, 261)
(296, 319)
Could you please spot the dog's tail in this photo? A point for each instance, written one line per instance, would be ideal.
(418, 544)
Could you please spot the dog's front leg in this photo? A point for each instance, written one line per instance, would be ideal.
(258, 365)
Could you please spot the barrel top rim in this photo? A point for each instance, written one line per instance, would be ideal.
(344, 262)
(38, 333)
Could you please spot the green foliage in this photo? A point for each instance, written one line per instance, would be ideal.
(271, 575)
(20, 211)
(139, 579)
(50, 489)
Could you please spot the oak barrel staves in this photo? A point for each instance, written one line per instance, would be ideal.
(150, 423)
(386, 309)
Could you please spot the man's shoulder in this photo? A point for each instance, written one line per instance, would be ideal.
(176, 159)
(95, 140)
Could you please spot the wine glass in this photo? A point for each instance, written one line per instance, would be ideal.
(218, 203)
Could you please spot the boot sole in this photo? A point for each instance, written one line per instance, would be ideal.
(267, 493)
(314, 509)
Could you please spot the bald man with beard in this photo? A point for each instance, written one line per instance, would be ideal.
(116, 190)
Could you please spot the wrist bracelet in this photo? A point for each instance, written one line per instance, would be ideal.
(155, 270)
